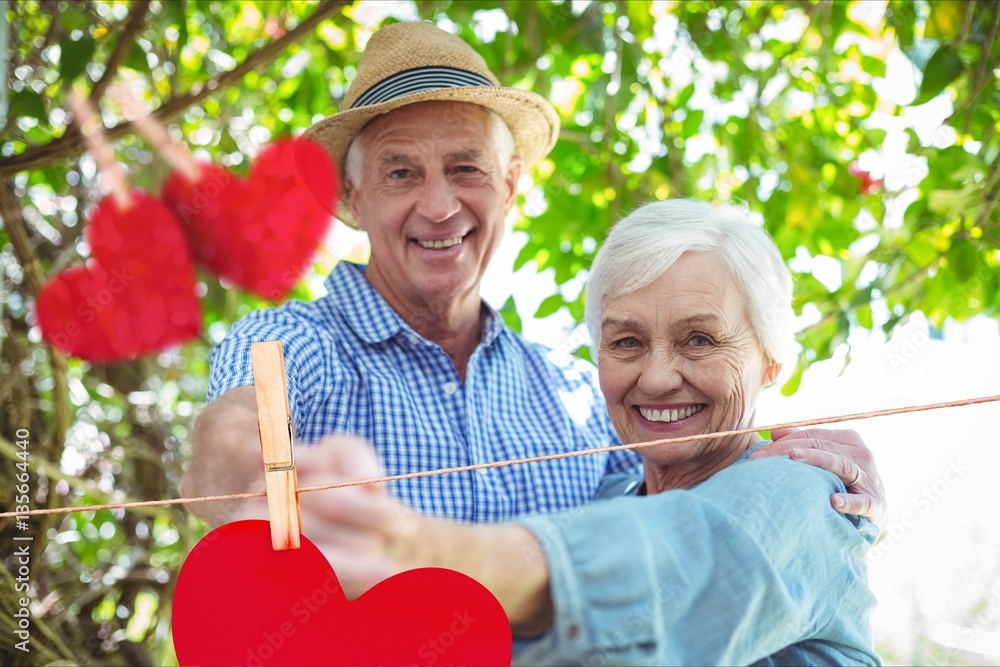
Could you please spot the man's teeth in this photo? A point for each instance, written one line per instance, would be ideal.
(670, 415)
(437, 245)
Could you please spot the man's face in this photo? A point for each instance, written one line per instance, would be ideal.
(432, 197)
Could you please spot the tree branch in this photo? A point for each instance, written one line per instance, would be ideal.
(979, 80)
(135, 22)
(13, 222)
(71, 143)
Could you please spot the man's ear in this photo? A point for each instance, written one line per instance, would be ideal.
(511, 178)
(352, 203)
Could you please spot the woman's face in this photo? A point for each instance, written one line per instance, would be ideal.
(679, 357)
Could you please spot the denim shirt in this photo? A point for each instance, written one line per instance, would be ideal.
(750, 567)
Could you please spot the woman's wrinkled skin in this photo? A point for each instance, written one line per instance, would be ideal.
(683, 345)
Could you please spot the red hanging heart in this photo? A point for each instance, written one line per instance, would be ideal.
(134, 296)
(239, 602)
(261, 232)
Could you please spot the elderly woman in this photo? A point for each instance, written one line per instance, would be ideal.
(728, 560)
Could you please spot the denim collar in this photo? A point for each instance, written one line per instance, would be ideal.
(745, 456)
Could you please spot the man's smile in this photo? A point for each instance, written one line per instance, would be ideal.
(441, 244)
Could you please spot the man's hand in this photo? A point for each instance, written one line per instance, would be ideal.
(845, 455)
(226, 458)
(360, 529)
(368, 536)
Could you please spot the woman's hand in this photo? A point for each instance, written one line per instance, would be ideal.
(845, 455)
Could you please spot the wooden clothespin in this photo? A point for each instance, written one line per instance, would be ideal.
(274, 419)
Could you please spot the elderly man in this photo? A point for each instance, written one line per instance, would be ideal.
(404, 352)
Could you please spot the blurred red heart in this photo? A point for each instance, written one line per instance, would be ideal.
(239, 602)
(134, 296)
(259, 232)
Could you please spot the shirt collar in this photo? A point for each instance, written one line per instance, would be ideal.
(372, 318)
(364, 309)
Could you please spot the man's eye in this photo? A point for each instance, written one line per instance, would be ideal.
(399, 173)
(467, 169)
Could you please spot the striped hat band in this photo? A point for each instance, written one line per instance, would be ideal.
(418, 80)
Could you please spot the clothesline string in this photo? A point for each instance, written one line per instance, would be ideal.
(509, 462)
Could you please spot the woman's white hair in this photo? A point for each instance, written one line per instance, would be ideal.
(648, 241)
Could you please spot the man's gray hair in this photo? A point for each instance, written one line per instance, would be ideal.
(503, 143)
(648, 241)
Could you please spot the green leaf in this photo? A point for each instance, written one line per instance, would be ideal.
(793, 383)
(510, 315)
(693, 122)
(963, 259)
(949, 203)
(865, 316)
(549, 306)
(27, 103)
(74, 56)
(136, 60)
(72, 19)
(685, 96)
(944, 67)
(945, 19)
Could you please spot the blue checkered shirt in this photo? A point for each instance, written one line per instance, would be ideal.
(355, 366)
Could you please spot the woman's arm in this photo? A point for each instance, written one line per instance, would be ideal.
(749, 562)
(843, 453)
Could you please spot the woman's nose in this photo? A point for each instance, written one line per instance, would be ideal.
(662, 374)
(437, 199)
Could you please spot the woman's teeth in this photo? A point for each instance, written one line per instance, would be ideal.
(437, 245)
(670, 415)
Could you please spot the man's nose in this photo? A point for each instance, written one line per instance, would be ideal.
(662, 373)
(437, 200)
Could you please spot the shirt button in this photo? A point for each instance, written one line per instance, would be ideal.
(450, 388)
(572, 631)
(411, 339)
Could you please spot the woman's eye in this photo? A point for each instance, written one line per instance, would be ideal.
(699, 340)
(626, 343)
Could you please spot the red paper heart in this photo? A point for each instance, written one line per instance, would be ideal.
(261, 232)
(239, 602)
(135, 295)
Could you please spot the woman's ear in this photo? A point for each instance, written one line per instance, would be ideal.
(771, 373)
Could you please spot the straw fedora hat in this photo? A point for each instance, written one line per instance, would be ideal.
(405, 63)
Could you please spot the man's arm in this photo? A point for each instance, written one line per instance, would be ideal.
(225, 458)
